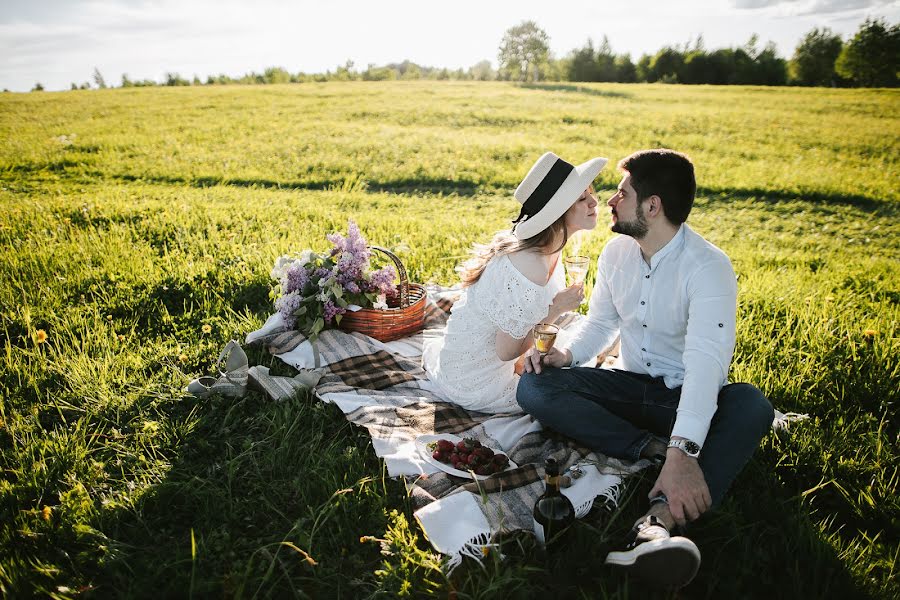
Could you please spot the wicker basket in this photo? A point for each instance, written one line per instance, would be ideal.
(404, 316)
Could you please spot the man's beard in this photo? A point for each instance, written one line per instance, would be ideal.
(636, 229)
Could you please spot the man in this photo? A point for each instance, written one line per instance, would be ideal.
(672, 296)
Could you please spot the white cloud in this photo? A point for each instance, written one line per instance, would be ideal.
(813, 7)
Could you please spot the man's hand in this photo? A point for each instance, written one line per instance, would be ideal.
(682, 481)
(555, 358)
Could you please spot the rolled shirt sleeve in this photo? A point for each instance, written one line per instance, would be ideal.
(600, 328)
(708, 348)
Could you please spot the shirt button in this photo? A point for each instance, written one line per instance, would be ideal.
(720, 325)
(643, 303)
(644, 325)
(648, 364)
(646, 277)
(643, 349)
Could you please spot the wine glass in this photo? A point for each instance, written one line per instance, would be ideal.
(544, 337)
(576, 268)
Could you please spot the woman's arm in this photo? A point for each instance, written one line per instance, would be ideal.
(568, 299)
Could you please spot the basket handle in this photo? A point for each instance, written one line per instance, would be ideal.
(401, 271)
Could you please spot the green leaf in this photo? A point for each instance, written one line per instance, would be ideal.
(317, 326)
(300, 311)
(337, 319)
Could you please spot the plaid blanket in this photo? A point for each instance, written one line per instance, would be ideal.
(383, 387)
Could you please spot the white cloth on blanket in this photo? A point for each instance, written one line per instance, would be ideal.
(464, 363)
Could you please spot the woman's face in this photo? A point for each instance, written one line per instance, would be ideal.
(582, 214)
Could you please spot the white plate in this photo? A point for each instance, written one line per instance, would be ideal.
(422, 446)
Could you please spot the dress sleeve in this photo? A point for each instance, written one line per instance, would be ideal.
(508, 299)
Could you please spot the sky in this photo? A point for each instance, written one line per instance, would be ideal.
(58, 42)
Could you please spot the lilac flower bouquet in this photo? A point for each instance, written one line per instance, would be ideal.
(315, 290)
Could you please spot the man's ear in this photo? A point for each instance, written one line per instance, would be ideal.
(654, 206)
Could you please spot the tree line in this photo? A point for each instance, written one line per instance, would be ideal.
(870, 58)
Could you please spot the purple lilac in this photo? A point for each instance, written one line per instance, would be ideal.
(331, 310)
(296, 277)
(286, 305)
(353, 244)
(382, 280)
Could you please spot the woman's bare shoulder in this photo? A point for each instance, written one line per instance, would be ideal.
(531, 265)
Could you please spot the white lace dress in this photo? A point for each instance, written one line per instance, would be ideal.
(464, 363)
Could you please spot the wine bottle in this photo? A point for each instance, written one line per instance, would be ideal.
(553, 512)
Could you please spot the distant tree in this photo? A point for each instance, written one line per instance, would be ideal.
(98, 79)
(85, 86)
(666, 65)
(771, 69)
(74, 86)
(126, 82)
(373, 73)
(482, 71)
(606, 62)
(625, 70)
(643, 70)
(174, 79)
(524, 52)
(276, 75)
(872, 57)
(814, 58)
(581, 64)
(37, 87)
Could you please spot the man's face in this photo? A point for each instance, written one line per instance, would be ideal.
(627, 216)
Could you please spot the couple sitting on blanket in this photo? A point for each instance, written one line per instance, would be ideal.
(671, 297)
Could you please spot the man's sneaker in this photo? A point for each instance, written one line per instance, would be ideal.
(657, 557)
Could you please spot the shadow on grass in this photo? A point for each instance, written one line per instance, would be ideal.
(571, 88)
(864, 203)
(259, 498)
(409, 185)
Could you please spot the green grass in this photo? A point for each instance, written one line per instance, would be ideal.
(165, 210)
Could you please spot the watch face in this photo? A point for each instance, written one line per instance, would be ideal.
(692, 447)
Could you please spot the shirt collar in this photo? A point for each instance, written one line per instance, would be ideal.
(673, 245)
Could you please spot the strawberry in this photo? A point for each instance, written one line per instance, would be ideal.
(445, 445)
(436, 455)
(461, 445)
(473, 459)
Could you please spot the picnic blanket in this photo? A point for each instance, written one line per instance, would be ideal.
(383, 387)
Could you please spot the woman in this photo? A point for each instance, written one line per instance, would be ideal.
(511, 284)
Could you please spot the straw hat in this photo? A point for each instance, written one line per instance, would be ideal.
(550, 188)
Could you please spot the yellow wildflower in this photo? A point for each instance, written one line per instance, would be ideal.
(870, 333)
(47, 513)
(183, 358)
(206, 328)
(40, 336)
(121, 337)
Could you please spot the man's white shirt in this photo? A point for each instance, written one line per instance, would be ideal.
(676, 317)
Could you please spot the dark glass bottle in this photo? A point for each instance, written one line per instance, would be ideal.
(553, 512)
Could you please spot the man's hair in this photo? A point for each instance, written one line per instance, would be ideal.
(664, 173)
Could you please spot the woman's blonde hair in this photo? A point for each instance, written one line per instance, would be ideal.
(505, 242)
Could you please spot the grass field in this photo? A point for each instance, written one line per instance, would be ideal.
(138, 228)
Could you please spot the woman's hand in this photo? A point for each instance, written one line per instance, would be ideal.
(567, 300)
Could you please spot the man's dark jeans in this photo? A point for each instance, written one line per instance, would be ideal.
(615, 412)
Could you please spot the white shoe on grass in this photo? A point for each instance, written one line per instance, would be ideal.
(656, 557)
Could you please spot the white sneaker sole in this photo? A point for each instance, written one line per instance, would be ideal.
(669, 562)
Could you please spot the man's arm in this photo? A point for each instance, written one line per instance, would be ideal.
(709, 345)
(601, 326)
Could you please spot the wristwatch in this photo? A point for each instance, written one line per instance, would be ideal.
(690, 448)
